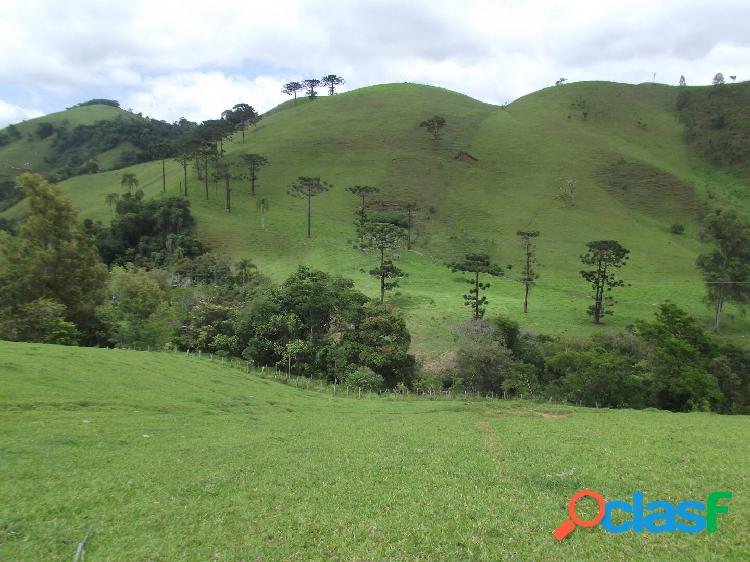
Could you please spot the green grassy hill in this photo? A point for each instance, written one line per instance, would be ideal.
(623, 145)
(31, 152)
(163, 457)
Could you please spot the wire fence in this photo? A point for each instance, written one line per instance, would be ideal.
(325, 386)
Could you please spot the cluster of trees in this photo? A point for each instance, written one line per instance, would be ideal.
(670, 363)
(76, 147)
(311, 85)
(164, 290)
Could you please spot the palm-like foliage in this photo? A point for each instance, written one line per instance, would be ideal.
(254, 163)
(111, 199)
(130, 181)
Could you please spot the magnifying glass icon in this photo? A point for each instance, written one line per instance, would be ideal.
(569, 524)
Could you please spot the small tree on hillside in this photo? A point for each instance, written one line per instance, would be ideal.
(528, 273)
(718, 79)
(308, 187)
(477, 264)
(225, 171)
(363, 192)
(310, 85)
(162, 151)
(331, 81)
(434, 125)
(411, 207)
(130, 181)
(606, 256)
(262, 206)
(682, 81)
(291, 89)
(183, 158)
(382, 237)
(111, 200)
(245, 270)
(726, 269)
(254, 163)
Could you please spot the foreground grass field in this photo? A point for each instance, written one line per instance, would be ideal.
(161, 457)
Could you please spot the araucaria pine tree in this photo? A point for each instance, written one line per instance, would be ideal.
(308, 187)
(382, 237)
(254, 163)
(528, 273)
(606, 256)
(362, 191)
(726, 268)
(477, 264)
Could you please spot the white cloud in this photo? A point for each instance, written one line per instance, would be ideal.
(489, 49)
(201, 95)
(11, 113)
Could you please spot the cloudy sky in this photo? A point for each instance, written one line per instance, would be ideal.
(193, 59)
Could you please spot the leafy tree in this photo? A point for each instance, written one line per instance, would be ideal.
(51, 258)
(42, 320)
(680, 354)
(310, 86)
(718, 79)
(162, 151)
(130, 181)
(363, 378)
(245, 268)
(606, 256)
(225, 171)
(292, 350)
(308, 187)
(254, 163)
(262, 206)
(331, 81)
(291, 89)
(362, 191)
(44, 130)
(682, 81)
(434, 125)
(111, 199)
(383, 236)
(726, 269)
(482, 363)
(137, 310)
(528, 273)
(183, 158)
(380, 341)
(476, 264)
(242, 114)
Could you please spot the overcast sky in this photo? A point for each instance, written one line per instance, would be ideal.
(194, 59)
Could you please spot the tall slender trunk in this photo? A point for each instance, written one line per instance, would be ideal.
(476, 295)
(163, 177)
(309, 214)
(205, 173)
(526, 299)
(184, 171)
(719, 307)
(253, 177)
(229, 200)
(382, 275)
(408, 228)
(262, 218)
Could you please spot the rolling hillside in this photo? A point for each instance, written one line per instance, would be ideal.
(624, 146)
(150, 456)
(31, 152)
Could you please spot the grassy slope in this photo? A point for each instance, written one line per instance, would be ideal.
(167, 458)
(25, 153)
(525, 151)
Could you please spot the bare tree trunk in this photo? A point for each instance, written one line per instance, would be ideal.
(309, 214)
(719, 307)
(382, 276)
(163, 177)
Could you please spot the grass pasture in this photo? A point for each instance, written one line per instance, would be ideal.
(163, 457)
